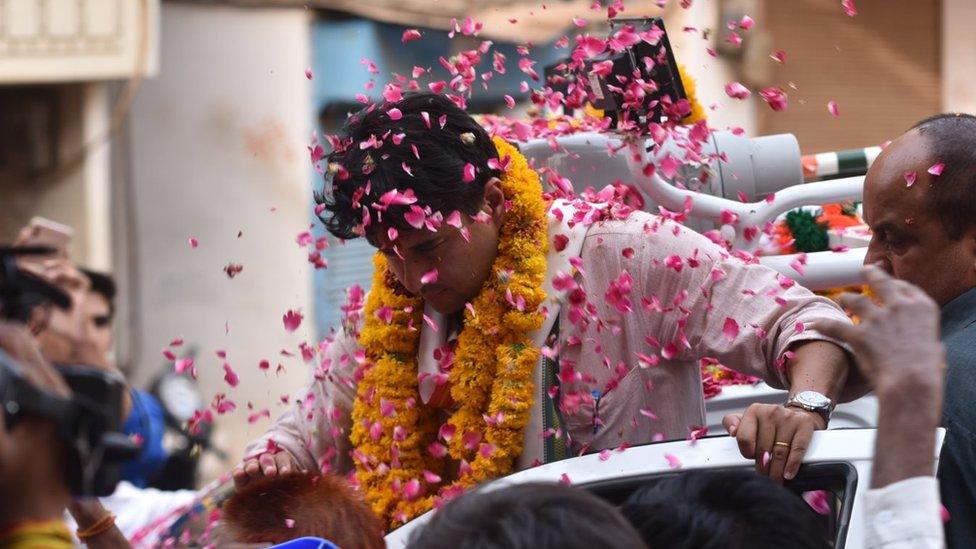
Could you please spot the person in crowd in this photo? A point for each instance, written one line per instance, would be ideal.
(146, 421)
(527, 516)
(503, 331)
(920, 202)
(277, 509)
(32, 478)
(83, 335)
(735, 509)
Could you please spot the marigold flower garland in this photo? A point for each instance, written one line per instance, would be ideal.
(401, 450)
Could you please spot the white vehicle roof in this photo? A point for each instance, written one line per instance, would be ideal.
(850, 450)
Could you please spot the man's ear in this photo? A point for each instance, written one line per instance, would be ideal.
(495, 201)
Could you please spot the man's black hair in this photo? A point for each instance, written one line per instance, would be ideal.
(722, 510)
(104, 285)
(952, 196)
(432, 138)
(527, 516)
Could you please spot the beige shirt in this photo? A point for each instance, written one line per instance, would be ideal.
(638, 402)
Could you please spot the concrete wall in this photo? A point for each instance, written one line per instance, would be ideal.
(59, 193)
(958, 56)
(217, 148)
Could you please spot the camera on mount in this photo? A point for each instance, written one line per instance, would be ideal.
(643, 84)
(89, 422)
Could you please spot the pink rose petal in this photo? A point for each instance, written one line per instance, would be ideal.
(468, 175)
(849, 8)
(673, 461)
(936, 168)
(832, 108)
(292, 320)
(736, 90)
(730, 329)
(410, 35)
(308, 74)
(429, 277)
(775, 97)
(183, 365)
(230, 376)
(910, 178)
(818, 501)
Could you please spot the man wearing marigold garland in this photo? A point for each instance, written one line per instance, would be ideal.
(503, 331)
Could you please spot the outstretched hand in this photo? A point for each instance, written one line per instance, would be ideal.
(264, 465)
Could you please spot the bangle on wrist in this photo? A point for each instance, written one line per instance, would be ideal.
(100, 526)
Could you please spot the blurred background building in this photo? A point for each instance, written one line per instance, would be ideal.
(144, 124)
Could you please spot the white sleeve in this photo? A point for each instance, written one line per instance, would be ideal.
(903, 515)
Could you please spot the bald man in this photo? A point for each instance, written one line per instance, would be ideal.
(920, 201)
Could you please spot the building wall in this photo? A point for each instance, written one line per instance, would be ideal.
(50, 188)
(882, 67)
(217, 145)
(958, 56)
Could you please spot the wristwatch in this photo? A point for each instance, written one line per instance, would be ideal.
(812, 401)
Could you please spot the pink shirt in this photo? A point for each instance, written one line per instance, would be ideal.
(684, 288)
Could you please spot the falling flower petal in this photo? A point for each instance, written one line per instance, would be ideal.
(766, 457)
(233, 269)
(183, 365)
(669, 166)
(292, 320)
(736, 90)
(230, 376)
(775, 97)
(779, 56)
(849, 8)
(832, 108)
(673, 461)
(194, 242)
(580, 23)
(746, 22)
(818, 501)
(936, 168)
(410, 35)
(308, 73)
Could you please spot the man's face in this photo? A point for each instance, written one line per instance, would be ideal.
(462, 265)
(98, 317)
(909, 240)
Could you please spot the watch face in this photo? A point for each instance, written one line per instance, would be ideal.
(813, 399)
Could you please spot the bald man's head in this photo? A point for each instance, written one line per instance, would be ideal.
(920, 201)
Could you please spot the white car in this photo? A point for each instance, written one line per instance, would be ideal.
(839, 461)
